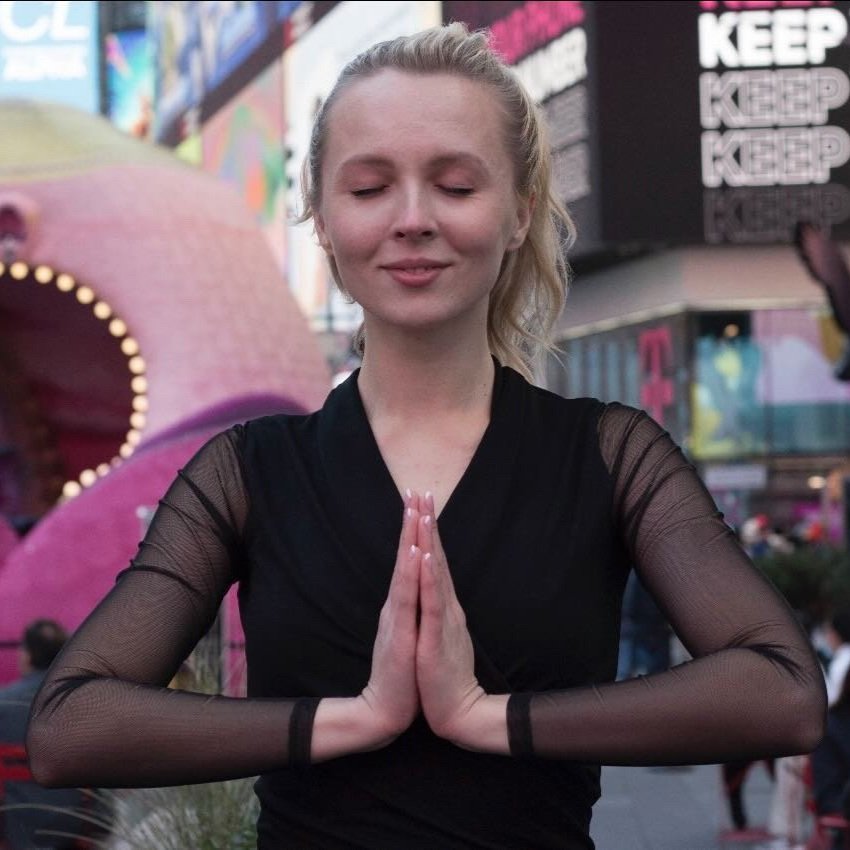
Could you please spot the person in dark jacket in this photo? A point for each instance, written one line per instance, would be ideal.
(31, 826)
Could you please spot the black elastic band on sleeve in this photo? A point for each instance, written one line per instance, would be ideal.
(519, 725)
(301, 730)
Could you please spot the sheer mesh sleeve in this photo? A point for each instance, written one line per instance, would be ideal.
(754, 687)
(103, 716)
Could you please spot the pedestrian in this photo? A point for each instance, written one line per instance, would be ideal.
(37, 818)
(837, 634)
(644, 633)
(830, 764)
(734, 776)
(431, 567)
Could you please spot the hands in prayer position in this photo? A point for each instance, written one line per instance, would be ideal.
(423, 657)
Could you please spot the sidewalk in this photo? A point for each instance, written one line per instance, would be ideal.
(675, 809)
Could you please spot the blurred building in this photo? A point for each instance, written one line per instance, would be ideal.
(689, 138)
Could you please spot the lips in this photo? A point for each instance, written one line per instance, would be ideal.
(416, 264)
(415, 272)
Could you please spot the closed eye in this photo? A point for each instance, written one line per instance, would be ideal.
(365, 193)
(461, 191)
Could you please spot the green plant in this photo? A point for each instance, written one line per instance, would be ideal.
(212, 816)
(814, 580)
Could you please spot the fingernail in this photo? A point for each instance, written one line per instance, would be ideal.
(427, 519)
(409, 513)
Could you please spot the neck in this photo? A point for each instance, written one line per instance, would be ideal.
(406, 375)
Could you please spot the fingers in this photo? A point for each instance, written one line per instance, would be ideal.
(405, 585)
(405, 578)
(409, 526)
(435, 578)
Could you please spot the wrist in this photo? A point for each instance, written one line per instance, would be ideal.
(484, 728)
(345, 725)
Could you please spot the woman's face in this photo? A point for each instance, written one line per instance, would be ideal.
(417, 204)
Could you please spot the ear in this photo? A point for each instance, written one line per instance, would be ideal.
(321, 233)
(525, 211)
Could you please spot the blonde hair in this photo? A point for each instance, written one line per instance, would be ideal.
(531, 288)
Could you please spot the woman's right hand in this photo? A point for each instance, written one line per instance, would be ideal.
(391, 692)
(390, 701)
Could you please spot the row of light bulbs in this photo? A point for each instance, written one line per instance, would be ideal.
(86, 296)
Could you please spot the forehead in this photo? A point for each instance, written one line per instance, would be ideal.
(411, 115)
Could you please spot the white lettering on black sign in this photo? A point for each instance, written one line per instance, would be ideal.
(761, 38)
(765, 124)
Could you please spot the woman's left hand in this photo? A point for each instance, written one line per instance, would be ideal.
(454, 703)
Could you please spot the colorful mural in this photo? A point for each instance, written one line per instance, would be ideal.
(242, 144)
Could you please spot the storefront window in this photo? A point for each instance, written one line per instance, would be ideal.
(728, 419)
(808, 409)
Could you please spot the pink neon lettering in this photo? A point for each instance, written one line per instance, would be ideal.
(533, 24)
(655, 349)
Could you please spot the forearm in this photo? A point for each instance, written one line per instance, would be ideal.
(110, 733)
(729, 705)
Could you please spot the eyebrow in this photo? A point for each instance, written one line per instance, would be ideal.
(454, 158)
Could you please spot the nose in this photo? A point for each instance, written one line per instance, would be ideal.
(415, 218)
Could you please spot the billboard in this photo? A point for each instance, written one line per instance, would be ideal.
(725, 122)
(129, 82)
(242, 145)
(774, 112)
(49, 51)
(205, 52)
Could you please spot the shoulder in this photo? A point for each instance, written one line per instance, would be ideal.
(271, 433)
(235, 439)
(550, 404)
(628, 433)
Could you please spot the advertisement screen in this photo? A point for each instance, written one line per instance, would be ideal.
(129, 82)
(724, 122)
(48, 51)
(204, 53)
(242, 145)
(174, 30)
(763, 384)
(773, 112)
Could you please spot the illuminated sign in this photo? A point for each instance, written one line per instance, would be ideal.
(48, 51)
(204, 53)
(772, 92)
(129, 81)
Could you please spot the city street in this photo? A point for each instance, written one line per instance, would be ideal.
(676, 809)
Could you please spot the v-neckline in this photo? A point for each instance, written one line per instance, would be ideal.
(364, 503)
(376, 448)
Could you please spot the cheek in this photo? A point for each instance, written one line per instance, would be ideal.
(484, 232)
(352, 237)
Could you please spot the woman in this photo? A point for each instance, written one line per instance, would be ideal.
(431, 567)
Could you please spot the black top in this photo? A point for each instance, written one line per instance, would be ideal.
(560, 498)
